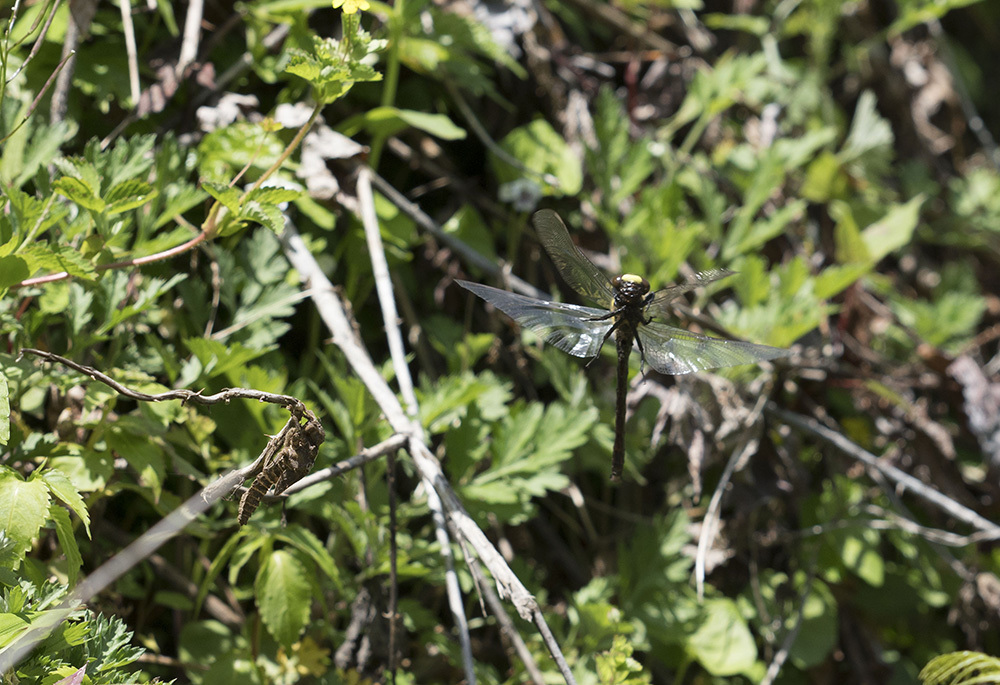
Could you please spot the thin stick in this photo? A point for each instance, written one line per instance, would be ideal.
(904, 480)
(498, 610)
(383, 286)
(469, 254)
(130, 51)
(293, 404)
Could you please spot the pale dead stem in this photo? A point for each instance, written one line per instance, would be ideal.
(432, 478)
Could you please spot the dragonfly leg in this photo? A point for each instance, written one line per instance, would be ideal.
(642, 353)
(606, 336)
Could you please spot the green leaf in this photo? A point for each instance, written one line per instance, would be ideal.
(79, 192)
(62, 487)
(283, 596)
(306, 541)
(894, 230)
(868, 148)
(617, 666)
(127, 195)
(11, 625)
(13, 269)
(541, 150)
(4, 410)
(24, 508)
(723, 642)
(389, 121)
(835, 279)
(961, 668)
(67, 540)
(265, 214)
(227, 196)
(55, 258)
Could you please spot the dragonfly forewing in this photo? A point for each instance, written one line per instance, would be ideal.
(569, 327)
(578, 271)
(675, 351)
(663, 297)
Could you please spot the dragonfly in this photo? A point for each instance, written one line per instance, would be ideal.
(630, 311)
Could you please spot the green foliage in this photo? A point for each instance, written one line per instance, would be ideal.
(781, 158)
(99, 644)
(961, 668)
(617, 667)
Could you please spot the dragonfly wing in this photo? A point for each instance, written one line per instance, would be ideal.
(581, 273)
(567, 326)
(676, 351)
(664, 296)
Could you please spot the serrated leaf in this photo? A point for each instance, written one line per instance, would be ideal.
(283, 596)
(62, 487)
(265, 214)
(24, 508)
(274, 195)
(55, 258)
(67, 541)
(306, 541)
(227, 196)
(79, 192)
(127, 195)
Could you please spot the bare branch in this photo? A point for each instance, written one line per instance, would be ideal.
(902, 479)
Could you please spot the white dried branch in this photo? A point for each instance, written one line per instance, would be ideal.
(383, 286)
(335, 318)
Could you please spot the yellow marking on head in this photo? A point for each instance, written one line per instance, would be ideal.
(631, 278)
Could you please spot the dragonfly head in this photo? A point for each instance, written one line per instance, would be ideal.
(629, 288)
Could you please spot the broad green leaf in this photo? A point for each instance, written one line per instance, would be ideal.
(62, 487)
(723, 642)
(67, 541)
(11, 625)
(836, 278)
(283, 596)
(541, 150)
(389, 121)
(13, 269)
(818, 634)
(24, 508)
(141, 454)
(4, 410)
(868, 148)
(307, 542)
(894, 230)
(79, 192)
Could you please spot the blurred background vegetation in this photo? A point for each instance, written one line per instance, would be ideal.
(838, 155)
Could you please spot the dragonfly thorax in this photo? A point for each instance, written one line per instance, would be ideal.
(629, 289)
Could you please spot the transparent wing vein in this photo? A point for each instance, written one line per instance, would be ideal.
(676, 351)
(564, 325)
